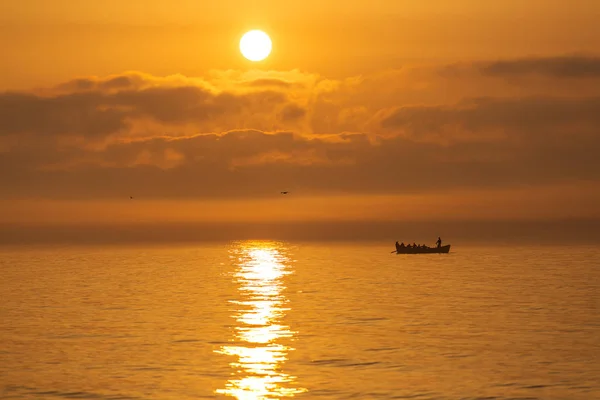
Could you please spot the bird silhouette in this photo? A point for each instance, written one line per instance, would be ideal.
(284, 192)
(130, 197)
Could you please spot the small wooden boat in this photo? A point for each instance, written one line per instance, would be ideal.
(423, 250)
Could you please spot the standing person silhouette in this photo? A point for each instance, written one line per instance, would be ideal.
(439, 242)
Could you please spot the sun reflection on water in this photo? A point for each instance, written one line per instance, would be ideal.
(259, 330)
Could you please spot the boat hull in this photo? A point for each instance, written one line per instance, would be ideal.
(430, 250)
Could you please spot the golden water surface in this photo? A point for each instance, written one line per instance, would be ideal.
(270, 320)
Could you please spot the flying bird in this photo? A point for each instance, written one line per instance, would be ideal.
(284, 192)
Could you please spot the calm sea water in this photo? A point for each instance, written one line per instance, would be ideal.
(267, 320)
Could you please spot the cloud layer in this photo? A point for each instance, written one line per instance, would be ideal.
(232, 134)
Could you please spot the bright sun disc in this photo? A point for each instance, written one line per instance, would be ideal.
(255, 45)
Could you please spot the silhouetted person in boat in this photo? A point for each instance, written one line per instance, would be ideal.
(402, 244)
(439, 242)
(398, 247)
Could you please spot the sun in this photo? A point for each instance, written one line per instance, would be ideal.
(255, 45)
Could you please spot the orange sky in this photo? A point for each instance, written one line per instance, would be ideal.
(365, 110)
(47, 42)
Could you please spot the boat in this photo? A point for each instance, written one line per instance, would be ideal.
(423, 250)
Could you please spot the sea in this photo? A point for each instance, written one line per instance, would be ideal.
(274, 320)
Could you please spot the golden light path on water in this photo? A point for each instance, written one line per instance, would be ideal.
(260, 355)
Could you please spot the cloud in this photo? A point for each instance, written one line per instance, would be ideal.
(119, 82)
(102, 112)
(272, 82)
(128, 80)
(255, 164)
(76, 113)
(558, 67)
(532, 118)
(232, 134)
(292, 112)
